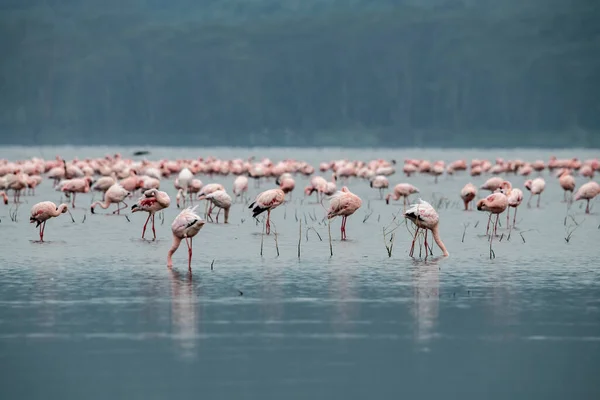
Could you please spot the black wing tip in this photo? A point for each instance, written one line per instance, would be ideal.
(257, 211)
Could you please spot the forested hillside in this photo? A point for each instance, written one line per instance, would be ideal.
(330, 72)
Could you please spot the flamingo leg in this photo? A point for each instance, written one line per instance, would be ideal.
(153, 230)
(507, 216)
(42, 229)
(514, 217)
(73, 202)
(412, 247)
(343, 228)
(539, 198)
(144, 230)
(189, 245)
(496, 225)
(426, 247)
(587, 207)
(529, 201)
(487, 230)
(218, 212)
(268, 225)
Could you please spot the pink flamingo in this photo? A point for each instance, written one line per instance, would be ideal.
(495, 203)
(380, 182)
(343, 203)
(151, 202)
(114, 195)
(286, 183)
(267, 201)
(424, 216)
(492, 184)
(567, 182)
(42, 212)
(467, 194)
(587, 192)
(76, 185)
(515, 197)
(220, 199)
(240, 186)
(535, 186)
(208, 189)
(401, 190)
(185, 226)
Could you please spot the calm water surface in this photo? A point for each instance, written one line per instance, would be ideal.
(95, 314)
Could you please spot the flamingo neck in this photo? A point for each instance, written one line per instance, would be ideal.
(104, 205)
(59, 210)
(436, 236)
(173, 249)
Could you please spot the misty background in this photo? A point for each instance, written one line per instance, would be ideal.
(301, 72)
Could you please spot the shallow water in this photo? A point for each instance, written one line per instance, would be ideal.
(94, 313)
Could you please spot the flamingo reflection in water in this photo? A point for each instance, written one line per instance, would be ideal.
(185, 316)
(425, 310)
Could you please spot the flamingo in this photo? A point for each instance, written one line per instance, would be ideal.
(208, 189)
(535, 186)
(343, 203)
(76, 185)
(4, 197)
(587, 192)
(115, 194)
(380, 182)
(467, 194)
(492, 184)
(151, 202)
(286, 183)
(567, 182)
(43, 211)
(185, 226)
(401, 190)
(267, 201)
(184, 180)
(222, 200)
(495, 203)
(240, 186)
(103, 184)
(515, 197)
(424, 216)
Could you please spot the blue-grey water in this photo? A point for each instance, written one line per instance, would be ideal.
(94, 313)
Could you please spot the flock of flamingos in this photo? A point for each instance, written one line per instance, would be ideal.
(118, 179)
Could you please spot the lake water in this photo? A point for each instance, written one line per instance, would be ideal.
(95, 314)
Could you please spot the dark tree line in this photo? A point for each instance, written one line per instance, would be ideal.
(301, 73)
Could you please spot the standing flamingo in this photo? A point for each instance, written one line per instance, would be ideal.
(42, 212)
(208, 189)
(343, 203)
(495, 203)
(401, 190)
(76, 185)
(240, 186)
(424, 216)
(185, 226)
(567, 182)
(151, 202)
(267, 201)
(467, 194)
(535, 186)
(587, 192)
(515, 197)
(492, 184)
(380, 182)
(115, 194)
(222, 200)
